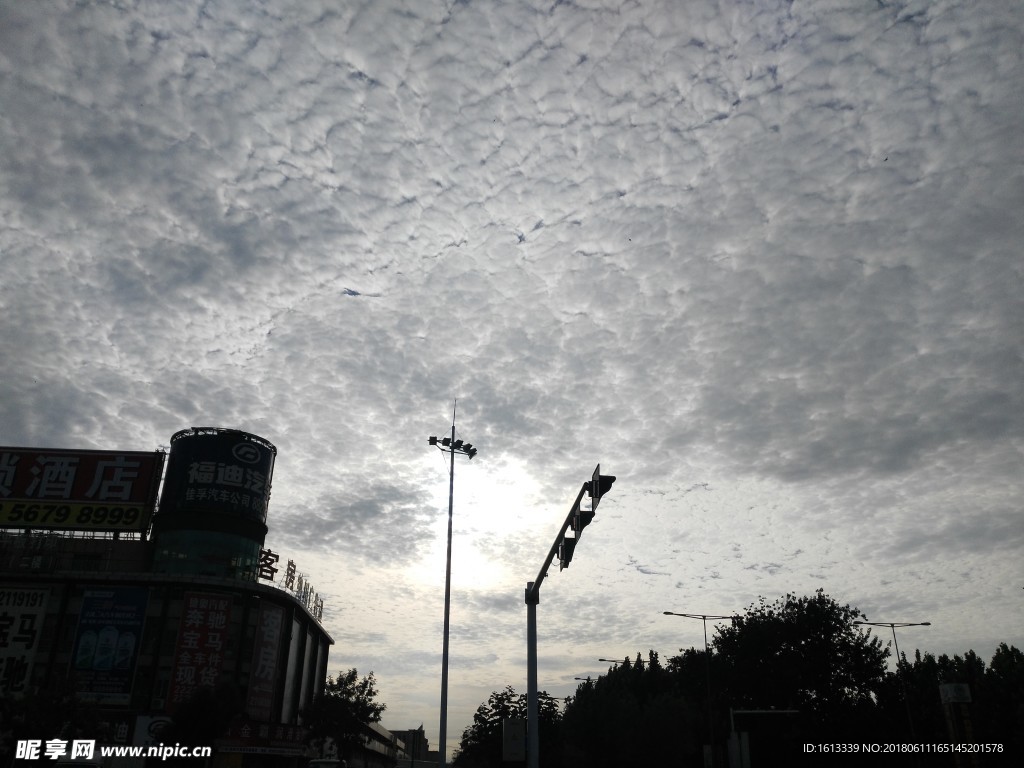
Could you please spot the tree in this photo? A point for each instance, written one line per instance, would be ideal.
(1005, 688)
(633, 716)
(806, 654)
(481, 743)
(994, 714)
(343, 711)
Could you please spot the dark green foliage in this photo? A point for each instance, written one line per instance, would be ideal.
(806, 654)
(796, 653)
(995, 714)
(481, 744)
(343, 711)
(634, 715)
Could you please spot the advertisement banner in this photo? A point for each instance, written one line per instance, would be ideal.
(218, 471)
(265, 654)
(93, 490)
(202, 638)
(22, 611)
(107, 643)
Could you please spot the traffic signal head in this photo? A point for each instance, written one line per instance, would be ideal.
(599, 486)
(566, 547)
(581, 520)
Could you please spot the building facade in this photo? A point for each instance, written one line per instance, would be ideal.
(153, 615)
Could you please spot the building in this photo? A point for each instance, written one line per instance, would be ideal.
(164, 618)
(417, 749)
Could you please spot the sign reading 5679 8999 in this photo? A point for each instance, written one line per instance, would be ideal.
(49, 514)
(77, 489)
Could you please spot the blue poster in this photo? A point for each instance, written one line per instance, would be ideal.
(107, 643)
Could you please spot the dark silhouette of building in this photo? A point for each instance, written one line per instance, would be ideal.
(162, 624)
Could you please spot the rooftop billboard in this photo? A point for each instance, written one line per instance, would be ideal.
(218, 471)
(84, 490)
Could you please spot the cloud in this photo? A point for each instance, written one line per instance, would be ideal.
(760, 262)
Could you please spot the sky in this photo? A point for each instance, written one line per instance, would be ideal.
(760, 260)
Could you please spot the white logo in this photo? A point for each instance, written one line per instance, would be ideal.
(246, 452)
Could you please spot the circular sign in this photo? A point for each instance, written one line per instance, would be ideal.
(246, 452)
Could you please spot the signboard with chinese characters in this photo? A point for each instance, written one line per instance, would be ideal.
(219, 471)
(107, 641)
(265, 654)
(202, 639)
(96, 490)
(22, 610)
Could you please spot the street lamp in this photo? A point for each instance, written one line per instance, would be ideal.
(707, 660)
(892, 625)
(451, 446)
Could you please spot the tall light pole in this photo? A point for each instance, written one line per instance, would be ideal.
(707, 660)
(451, 446)
(892, 625)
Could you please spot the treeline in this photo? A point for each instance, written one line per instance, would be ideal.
(787, 674)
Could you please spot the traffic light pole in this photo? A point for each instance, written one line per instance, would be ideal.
(532, 600)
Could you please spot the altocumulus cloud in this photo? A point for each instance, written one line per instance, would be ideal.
(767, 250)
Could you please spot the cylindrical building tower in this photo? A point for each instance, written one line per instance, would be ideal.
(212, 517)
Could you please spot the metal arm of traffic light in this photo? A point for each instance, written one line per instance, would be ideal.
(603, 483)
(533, 588)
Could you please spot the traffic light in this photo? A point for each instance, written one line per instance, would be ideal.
(599, 486)
(565, 549)
(580, 520)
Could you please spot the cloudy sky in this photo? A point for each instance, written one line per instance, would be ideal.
(759, 259)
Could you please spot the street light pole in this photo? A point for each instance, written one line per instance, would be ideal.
(451, 446)
(707, 660)
(903, 687)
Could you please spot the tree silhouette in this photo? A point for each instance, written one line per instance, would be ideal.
(805, 654)
(994, 714)
(343, 711)
(634, 715)
(481, 745)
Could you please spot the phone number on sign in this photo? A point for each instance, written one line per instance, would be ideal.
(868, 748)
(70, 515)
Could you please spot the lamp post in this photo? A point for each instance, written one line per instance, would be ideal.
(892, 625)
(707, 660)
(451, 446)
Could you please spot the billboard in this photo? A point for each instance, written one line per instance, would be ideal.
(265, 654)
(202, 642)
(107, 642)
(219, 471)
(88, 490)
(22, 611)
